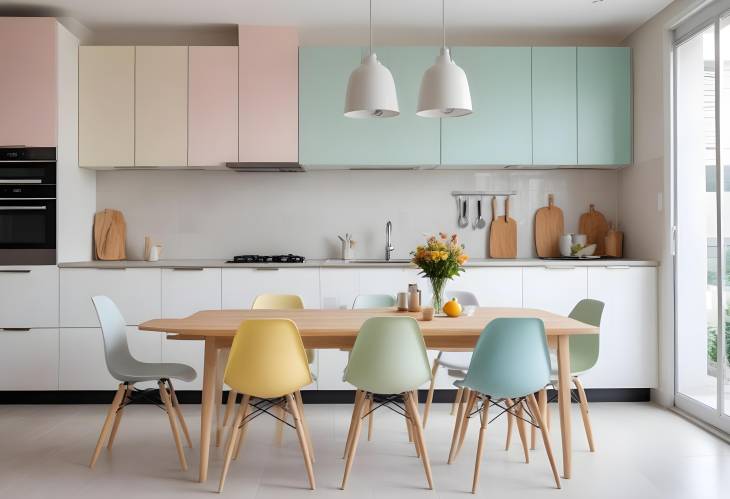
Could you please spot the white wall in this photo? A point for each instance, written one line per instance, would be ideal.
(644, 190)
(198, 214)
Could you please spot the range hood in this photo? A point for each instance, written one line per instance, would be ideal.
(251, 167)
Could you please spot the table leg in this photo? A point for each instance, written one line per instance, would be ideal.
(564, 401)
(210, 370)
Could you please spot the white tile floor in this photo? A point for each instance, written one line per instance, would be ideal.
(642, 452)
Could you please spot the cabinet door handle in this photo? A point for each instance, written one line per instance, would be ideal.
(110, 268)
(264, 269)
(559, 267)
(17, 271)
(617, 267)
(187, 269)
(15, 329)
(23, 208)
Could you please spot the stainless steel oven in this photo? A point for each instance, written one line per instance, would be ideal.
(27, 206)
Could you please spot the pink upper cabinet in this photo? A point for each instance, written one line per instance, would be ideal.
(212, 106)
(28, 91)
(268, 94)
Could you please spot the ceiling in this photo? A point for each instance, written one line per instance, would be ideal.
(416, 20)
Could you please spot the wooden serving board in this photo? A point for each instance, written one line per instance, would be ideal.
(549, 226)
(593, 224)
(502, 233)
(110, 233)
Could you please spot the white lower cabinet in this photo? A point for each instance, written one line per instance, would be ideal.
(493, 287)
(29, 359)
(554, 288)
(135, 291)
(29, 296)
(628, 342)
(392, 281)
(184, 292)
(241, 286)
(83, 363)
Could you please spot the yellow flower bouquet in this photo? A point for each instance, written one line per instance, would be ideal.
(440, 259)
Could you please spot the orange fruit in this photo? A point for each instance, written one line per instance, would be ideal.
(452, 308)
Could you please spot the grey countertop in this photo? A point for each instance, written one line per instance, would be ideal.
(488, 262)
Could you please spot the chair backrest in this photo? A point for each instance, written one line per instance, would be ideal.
(113, 329)
(389, 356)
(465, 298)
(584, 348)
(277, 302)
(510, 358)
(267, 359)
(373, 301)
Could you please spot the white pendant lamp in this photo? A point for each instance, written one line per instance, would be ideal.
(371, 89)
(444, 89)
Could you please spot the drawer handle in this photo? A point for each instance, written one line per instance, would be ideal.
(18, 271)
(617, 267)
(559, 267)
(186, 269)
(110, 268)
(264, 269)
(15, 329)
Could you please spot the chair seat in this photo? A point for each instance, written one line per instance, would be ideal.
(153, 371)
(554, 368)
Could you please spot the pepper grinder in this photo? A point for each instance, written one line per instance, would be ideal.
(414, 298)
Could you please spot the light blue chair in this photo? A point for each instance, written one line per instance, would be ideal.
(388, 360)
(128, 371)
(510, 363)
(373, 301)
(456, 362)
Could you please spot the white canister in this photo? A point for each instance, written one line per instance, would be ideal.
(566, 241)
(155, 252)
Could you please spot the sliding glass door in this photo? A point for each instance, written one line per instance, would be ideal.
(702, 196)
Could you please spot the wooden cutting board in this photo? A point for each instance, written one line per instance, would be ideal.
(502, 233)
(614, 242)
(549, 226)
(593, 224)
(110, 233)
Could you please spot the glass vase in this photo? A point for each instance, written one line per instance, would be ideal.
(438, 286)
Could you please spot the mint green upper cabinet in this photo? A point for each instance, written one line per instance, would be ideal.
(327, 138)
(499, 132)
(554, 101)
(604, 105)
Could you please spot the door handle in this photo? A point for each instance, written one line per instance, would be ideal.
(18, 271)
(15, 329)
(559, 267)
(617, 267)
(20, 181)
(23, 208)
(264, 269)
(187, 269)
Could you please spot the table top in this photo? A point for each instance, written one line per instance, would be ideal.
(338, 328)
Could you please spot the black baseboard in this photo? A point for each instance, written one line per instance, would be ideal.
(309, 396)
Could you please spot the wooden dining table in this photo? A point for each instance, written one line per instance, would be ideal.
(337, 329)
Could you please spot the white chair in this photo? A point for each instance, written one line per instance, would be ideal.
(457, 363)
(128, 371)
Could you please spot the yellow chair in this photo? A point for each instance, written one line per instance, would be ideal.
(268, 365)
(265, 302)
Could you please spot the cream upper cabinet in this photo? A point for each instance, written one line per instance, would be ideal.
(161, 106)
(106, 106)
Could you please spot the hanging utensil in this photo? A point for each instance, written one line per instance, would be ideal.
(463, 212)
(479, 223)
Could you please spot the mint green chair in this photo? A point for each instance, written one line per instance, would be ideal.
(373, 301)
(389, 360)
(509, 364)
(584, 351)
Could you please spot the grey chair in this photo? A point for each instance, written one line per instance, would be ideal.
(457, 363)
(128, 371)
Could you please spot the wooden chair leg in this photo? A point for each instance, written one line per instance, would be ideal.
(510, 425)
(279, 436)
(546, 414)
(457, 401)
(232, 441)
(171, 416)
(429, 397)
(458, 423)
(352, 448)
(522, 429)
(484, 417)
(118, 417)
(242, 434)
(359, 396)
(409, 427)
(178, 411)
(541, 403)
(584, 413)
(300, 425)
(412, 411)
(545, 437)
(370, 418)
(230, 406)
(110, 415)
(300, 406)
(465, 423)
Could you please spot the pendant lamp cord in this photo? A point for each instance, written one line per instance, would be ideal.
(371, 27)
(443, 22)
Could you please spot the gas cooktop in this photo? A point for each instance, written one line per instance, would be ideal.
(267, 259)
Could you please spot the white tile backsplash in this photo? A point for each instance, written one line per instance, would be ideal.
(199, 214)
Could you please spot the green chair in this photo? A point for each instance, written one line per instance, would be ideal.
(509, 364)
(373, 301)
(583, 356)
(387, 364)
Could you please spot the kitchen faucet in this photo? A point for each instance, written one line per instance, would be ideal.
(388, 247)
